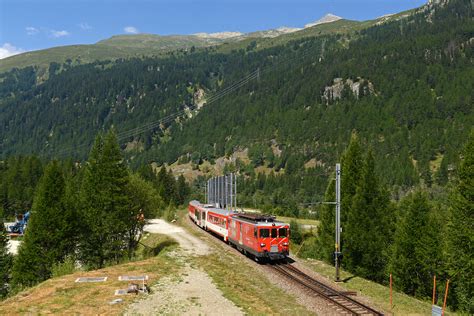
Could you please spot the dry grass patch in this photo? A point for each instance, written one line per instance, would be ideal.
(63, 296)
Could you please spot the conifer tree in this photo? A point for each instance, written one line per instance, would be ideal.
(351, 170)
(352, 162)
(6, 260)
(104, 202)
(460, 237)
(367, 232)
(182, 189)
(416, 250)
(50, 233)
(325, 241)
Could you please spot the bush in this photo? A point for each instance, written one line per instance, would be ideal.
(63, 268)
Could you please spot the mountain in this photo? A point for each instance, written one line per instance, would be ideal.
(404, 83)
(139, 45)
(328, 18)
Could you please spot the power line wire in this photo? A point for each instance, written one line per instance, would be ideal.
(216, 96)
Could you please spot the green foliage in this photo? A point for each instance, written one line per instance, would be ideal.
(6, 261)
(68, 266)
(145, 197)
(416, 250)
(352, 163)
(51, 232)
(105, 213)
(295, 232)
(19, 177)
(367, 226)
(460, 237)
(182, 190)
(326, 240)
(170, 213)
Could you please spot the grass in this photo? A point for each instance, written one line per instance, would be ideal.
(378, 294)
(301, 221)
(63, 296)
(247, 288)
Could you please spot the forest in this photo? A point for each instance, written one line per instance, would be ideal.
(393, 103)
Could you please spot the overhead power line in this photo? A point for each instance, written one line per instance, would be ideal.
(213, 98)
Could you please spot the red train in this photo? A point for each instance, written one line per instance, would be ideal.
(260, 236)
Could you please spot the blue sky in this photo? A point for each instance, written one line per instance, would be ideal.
(36, 24)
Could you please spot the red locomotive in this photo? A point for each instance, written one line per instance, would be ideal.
(261, 236)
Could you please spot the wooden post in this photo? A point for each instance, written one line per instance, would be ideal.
(445, 297)
(391, 292)
(434, 289)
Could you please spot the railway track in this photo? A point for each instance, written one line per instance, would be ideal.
(341, 301)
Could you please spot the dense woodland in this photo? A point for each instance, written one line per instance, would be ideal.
(92, 213)
(398, 135)
(420, 236)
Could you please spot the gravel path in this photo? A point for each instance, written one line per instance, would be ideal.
(193, 294)
(190, 293)
(190, 244)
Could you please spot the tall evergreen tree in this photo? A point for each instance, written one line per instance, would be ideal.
(105, 214)
(325, 241)
(182, 189)
(352, 162)
(367, 232)
(50, 233)
(460, 235)
(6, 260)
(416, 250)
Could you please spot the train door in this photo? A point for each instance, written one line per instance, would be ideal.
(240, 236)
(203, 219)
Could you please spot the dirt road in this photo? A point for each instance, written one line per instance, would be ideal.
(192, 292)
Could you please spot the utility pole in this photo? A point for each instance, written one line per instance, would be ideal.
(337, 252)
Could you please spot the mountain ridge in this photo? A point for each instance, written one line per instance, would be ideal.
(138, 45)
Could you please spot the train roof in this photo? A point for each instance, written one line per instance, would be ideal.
(253, 218)
(212, 208)
(258, 219)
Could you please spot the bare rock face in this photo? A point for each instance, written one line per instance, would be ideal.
(358, 87)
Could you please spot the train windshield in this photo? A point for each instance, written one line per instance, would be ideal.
(282, 232)
(274, 233)
(264, 232)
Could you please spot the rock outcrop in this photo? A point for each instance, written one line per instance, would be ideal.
(359, 87)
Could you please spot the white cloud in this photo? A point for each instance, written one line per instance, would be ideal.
(30, 30)
(130, 30)
(57, 34)
(8, 50)
(85, 26)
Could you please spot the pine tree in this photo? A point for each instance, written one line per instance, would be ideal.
(50, 234)
(416, 250)
(104, 202)
(460, 237)
(295, 233)
(182, 189)
(352, 162)
(6, 260)
(325, 241)
(367, 232)
(442, 173)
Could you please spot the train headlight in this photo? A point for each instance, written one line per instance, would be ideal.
(262, 245)
(285, 244)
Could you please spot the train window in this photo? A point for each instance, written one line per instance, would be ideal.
(255, 232)
(264, 232)
(282, 232)
(274, 232)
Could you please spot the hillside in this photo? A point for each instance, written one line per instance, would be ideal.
(405, 85)
(139, 45)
